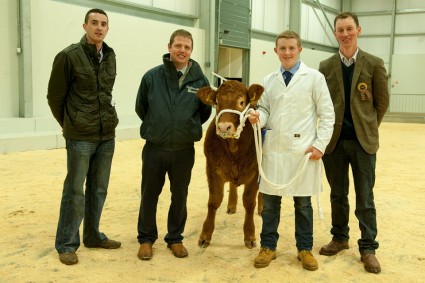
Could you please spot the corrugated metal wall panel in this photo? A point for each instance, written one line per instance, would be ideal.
(240, 3)
(413, 103)
(235, 23)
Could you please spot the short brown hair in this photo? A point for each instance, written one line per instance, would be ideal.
(289, 34)
(345, 15)
(181, 32)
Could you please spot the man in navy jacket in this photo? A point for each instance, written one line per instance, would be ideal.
(172, 118)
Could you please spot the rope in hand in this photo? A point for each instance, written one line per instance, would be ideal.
(259, 152)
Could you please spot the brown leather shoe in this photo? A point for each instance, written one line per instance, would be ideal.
(178, 250)
(333, 248)
(68, 258)
(371, 263)
(145, 251)
(264, 258)
(308, 260)
(107, 244)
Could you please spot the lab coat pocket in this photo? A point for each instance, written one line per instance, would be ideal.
(301, 141)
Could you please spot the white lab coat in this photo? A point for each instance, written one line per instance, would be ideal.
(297, 116)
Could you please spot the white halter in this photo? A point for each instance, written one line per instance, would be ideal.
(242, 120)
(242, 116)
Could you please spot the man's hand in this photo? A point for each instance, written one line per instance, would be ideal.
(254, 117)
(315, 153)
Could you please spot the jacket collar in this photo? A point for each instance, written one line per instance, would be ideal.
(91, 50)
(356, 74)
(194, 72)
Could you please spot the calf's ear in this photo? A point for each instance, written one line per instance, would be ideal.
(207, 95)
(254, 93)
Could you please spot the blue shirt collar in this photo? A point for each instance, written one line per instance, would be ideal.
(293, 69)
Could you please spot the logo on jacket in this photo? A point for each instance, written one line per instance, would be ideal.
(192, 89)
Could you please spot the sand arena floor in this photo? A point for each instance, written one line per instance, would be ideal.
(31, 187)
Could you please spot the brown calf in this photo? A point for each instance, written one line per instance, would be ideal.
(230, 157)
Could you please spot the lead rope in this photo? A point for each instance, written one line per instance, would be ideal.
(300, 170)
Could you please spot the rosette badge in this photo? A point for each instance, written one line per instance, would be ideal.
(362, 87)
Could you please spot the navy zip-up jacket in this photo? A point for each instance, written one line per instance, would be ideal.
(172, 116)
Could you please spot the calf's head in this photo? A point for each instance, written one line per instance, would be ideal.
(232, 99)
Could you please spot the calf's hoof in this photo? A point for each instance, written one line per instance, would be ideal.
(231, 210)
(203, 243)
(250, 244)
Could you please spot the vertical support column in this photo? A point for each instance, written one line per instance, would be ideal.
(392, 39)
(246, 54)
(295, 15)
(207, 22)
(25, 60)
(345, 5)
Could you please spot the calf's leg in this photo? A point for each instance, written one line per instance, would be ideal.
(216, 188)
(249, 203)
(233, 199)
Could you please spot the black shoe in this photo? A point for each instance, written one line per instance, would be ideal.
(107, 244)
(68, 258)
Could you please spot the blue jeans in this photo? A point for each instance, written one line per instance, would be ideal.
(303, 222)
(88, 162)
(350, 152)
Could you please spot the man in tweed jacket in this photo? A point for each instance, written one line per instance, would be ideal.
(358, 84)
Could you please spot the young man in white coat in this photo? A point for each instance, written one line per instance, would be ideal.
(297, 111)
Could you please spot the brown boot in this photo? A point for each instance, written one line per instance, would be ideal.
(145, 251)
(371, 263)
(264, 258)
(68, 258)
(333, 248)
(308, 260)
(178, 250)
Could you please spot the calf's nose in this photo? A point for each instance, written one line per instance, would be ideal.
(226, 127)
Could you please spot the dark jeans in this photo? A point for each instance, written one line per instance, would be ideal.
(350, 152)
(88, 162)
(303, 222)
(155, 164)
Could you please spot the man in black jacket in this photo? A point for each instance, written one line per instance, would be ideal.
(80, 98)
(172, 118)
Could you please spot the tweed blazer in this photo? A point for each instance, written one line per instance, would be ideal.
(367, 109)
